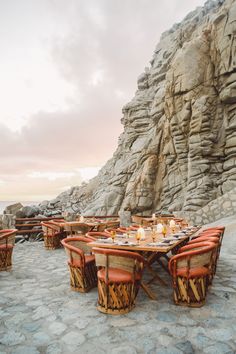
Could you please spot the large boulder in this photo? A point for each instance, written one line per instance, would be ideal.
(30, 211)
(13, 208)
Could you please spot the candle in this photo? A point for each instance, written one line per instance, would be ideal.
(141, 232)
(153, 216)
(81, 219)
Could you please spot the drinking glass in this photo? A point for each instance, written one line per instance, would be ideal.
(153, 234)
(138, 237)
(113, 235)
(164, 230)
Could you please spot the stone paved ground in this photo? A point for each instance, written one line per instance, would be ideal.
(39, 313)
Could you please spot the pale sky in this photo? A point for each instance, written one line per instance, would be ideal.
(67, 68)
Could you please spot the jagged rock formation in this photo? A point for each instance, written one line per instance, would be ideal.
(178, 148)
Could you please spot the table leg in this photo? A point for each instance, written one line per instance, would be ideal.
(162, 264)
(151, 260)
(148, 291)
(155, 276)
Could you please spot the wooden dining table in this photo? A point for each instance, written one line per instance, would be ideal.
(152, 251)
(72, 226)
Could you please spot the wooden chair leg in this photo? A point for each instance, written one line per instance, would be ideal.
(52, 242)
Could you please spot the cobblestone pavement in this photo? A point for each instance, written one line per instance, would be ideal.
(40, 314)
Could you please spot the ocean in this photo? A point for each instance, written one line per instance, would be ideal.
(5, 203)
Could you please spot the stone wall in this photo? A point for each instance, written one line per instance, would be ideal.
(215, 210)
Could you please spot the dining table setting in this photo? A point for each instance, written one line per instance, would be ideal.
(152, 244)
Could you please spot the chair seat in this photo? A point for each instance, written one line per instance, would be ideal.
(3, 247)
(117, 276)
(77, 262)
(193, 272)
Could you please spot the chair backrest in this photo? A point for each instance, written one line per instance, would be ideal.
(147, 223)
(118, 230)
(195, 246)
(200, 257)
(77, 227)
(210, 238)
(101, 226)
(125, 260)
(211, 232)
(134, 227)
(50, 228)
(112, 224)
(218, 229)
(95, 234)
(78, 242)
(137, 219)
(76, 248)
(7, 237)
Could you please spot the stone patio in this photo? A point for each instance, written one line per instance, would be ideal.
(40, 314)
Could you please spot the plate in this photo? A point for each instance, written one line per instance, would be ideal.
(165, 241)
(126, 243)
(104, 240)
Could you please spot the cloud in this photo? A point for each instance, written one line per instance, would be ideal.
(96, 48)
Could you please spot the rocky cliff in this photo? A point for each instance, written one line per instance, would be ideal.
(178, 147)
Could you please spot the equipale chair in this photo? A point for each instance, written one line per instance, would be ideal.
(119, 279)
(77, 229)
(52, 235)
(190, 272)
(83, 272)
(211, 238)
(7, 241)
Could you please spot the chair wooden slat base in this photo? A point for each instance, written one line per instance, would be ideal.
(6, 258)
(121, 299)
(190, 292)
(7, 242)
(83, 281)
(52, 242)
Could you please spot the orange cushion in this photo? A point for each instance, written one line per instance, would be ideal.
(193, 272)
(77, 262)
(2, 247)
(117, 276)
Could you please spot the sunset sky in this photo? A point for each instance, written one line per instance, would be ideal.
(67, 67)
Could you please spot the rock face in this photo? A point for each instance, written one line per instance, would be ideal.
(178, 147)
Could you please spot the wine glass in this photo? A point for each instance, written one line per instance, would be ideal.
(113, 235)
(164, 231)
(138, 237)
(153, 234)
